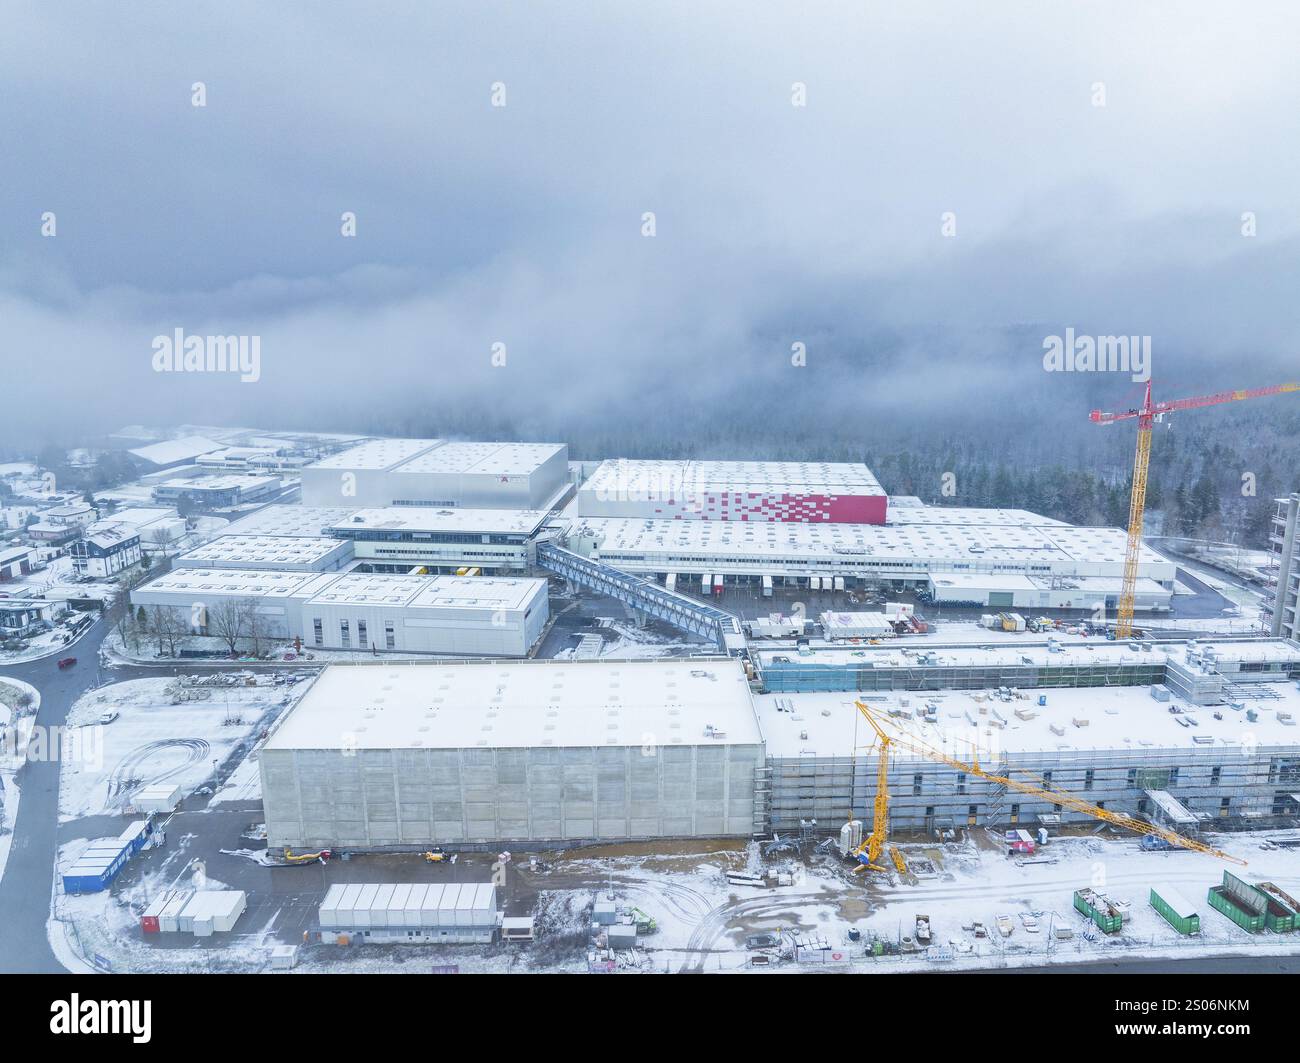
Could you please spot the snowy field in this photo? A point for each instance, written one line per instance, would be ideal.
(158, 736)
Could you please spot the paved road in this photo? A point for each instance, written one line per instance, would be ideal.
(27, 885)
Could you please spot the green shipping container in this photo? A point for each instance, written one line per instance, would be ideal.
(1094, 906)
(1177, 911)
(1222, 901)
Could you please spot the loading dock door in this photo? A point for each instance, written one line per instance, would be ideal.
(1001, 598)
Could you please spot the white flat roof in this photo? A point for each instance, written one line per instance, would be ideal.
(378, 455)
(522, 704)
(241, 582)
(264, 550)
(1010, 581)
(433, 519)
(218, 483)
(969, 544)
(619, 477)
(504, 459)
(1118, 719)
(969, 515)
(1009, 650)
(171, 451)
(286, 520)
(432, 592)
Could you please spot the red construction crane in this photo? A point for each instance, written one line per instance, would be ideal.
(1146, 417)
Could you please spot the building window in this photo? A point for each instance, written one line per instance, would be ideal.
(1087, 779)
(1215, 773)
(361, 634)
(345, 634)
(916, 785)
(961, 782)
(390, 636)
(318, 631)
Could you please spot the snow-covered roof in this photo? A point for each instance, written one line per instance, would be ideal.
(1117, 719)
(428, 592)
(264, 550)
(619, 478)
(377, 455)
(975, 544)
(172, 451)
(504, 459)
(522, 704)
(433, 519)
(287, 520)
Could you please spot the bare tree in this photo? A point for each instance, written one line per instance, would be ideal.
(231, 620)
(166, 625)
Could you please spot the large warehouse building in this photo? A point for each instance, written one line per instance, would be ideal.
(543, 752)
(796, 491)
(546, 752)
(461, 616)
(439, 474)
(990, 543)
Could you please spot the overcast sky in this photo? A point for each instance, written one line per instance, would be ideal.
(522, 224)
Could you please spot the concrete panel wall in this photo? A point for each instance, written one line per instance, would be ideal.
(412, 797)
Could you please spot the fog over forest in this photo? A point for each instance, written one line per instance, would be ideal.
(920, 216)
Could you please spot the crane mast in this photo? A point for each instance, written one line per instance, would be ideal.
(1146, 417)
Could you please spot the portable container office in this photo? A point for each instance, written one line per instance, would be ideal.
(379, 907)
(327, 913)
(134, 837)
(169, 917)
(1178, 912)
(431, 905)
(467, 906)
(86, 878)
(448, 905)
(149, 917)
(361, 906)
(397, 904)
(157, 797)
(414, 907)
(346, 913)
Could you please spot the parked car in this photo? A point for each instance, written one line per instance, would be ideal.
(108, 717)
(67, 662)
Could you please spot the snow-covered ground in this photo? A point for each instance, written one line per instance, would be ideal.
(15, 727)
(158, 736)
(702, 921)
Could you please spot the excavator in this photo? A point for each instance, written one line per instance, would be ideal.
(868, 852)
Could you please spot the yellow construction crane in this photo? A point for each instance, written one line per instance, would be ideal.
(1059, 797)
(868, 853)
(1146, 417)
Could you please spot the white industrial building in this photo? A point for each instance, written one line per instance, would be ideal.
(541, 752)
(453, 615)
(799, 491)
(440, 474)
(286, 553)
(1226, 754)
(399, 538)
(903, 554)
(1012, 591)
(462, 615)
(451, 913)
(217, 492)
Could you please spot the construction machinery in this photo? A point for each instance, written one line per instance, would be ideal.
(868, 853)
(1055, 795)
(1146, 417)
